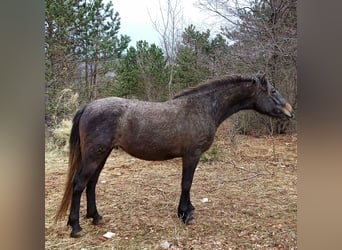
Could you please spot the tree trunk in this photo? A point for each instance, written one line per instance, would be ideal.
(95, 80)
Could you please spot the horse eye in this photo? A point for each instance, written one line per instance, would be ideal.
(273, 91)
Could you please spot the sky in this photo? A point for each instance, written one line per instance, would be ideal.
(136, 21)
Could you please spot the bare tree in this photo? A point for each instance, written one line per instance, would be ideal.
(169, 27)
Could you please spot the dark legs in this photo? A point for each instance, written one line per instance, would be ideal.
(91, 201)
(185, 207)
(73, 220)
(87, 176)
(91, 197)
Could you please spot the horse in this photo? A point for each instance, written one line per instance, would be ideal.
(183, 126)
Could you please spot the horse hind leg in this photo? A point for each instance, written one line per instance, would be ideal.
(86, 176)
(79, 183)
(91, 196)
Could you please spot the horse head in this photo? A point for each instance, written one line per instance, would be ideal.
(269, 101)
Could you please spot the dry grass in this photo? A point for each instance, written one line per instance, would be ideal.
(251, 190)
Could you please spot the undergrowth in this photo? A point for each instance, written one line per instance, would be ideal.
(211, 155)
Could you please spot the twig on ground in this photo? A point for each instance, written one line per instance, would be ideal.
(248, 178)
(256, 174)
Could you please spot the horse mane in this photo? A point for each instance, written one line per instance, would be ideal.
(214, 84)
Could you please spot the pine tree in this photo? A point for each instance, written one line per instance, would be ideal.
(82, 45)
(142, 73)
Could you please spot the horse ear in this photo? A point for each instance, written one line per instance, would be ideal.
(263, 81)
(263, 77)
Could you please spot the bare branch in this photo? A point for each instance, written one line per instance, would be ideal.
(220, 8)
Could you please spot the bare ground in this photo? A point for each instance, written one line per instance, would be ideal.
(250, 185)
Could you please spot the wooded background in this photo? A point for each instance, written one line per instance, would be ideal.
(86, 58)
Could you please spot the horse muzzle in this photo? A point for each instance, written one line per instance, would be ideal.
(288, 110)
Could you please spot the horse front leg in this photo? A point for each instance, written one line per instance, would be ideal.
(185, 208)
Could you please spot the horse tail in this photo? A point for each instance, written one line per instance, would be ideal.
(74, 163)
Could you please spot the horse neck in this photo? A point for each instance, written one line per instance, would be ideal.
(231, 99)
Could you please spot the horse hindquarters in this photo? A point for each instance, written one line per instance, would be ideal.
(96, 144)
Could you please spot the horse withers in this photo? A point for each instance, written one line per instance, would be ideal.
(183, 127)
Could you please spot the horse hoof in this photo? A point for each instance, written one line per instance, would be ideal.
(98, 221)
(187, 219)
(76, 234)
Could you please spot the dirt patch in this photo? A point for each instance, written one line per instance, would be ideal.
(250, 189)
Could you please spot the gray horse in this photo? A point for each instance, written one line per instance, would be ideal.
(182, 127)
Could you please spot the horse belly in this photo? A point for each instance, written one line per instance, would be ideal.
(152, 156)
(153, 148)
(152, 132)
(146, 152)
